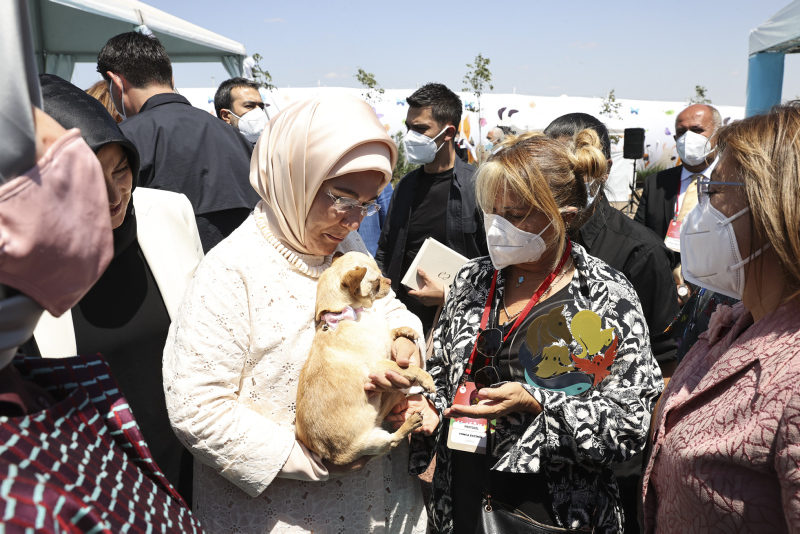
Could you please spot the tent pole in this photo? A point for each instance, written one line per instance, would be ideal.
(764, 82)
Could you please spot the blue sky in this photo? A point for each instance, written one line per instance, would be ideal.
(642, 50)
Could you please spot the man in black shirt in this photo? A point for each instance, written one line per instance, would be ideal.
(182, 149)
(436, 200)
(639, 254)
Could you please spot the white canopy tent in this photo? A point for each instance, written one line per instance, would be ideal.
(769, 43)
(70, 31)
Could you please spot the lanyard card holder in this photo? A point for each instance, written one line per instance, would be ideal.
(465, 433)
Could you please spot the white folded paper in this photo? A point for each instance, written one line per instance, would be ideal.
(438, 262)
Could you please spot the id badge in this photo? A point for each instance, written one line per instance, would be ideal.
(673, 239)
(467, 434)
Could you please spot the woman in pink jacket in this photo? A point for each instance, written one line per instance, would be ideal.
(726, 451)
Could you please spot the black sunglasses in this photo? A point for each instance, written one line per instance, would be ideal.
(487, 345)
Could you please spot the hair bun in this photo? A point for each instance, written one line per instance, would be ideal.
(588, 160)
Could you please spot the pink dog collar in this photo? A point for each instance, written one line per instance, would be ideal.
(348, 313)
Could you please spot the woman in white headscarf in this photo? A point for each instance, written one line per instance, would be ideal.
(246, 325)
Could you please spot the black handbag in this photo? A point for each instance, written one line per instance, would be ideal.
(499, 518)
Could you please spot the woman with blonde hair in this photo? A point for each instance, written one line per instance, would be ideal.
(245, 328)
(546, 340)
(726, 441)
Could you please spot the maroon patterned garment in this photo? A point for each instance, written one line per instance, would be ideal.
(81, 465)
(726, 456)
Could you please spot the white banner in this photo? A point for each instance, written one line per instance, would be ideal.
(532, 112)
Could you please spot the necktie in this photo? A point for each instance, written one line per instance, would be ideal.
(689, 198)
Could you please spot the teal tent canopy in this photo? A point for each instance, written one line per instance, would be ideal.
(769, 44)
(70, 31)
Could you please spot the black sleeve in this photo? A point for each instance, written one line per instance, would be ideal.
(133, 130)
(642, 209)
(651, 276)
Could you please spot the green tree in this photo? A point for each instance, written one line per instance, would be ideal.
(609, 106)
(373, 89)
(699, 96)
(260, 76)
(402, 167)
(477, 78)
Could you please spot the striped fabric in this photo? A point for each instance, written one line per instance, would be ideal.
(82, 464)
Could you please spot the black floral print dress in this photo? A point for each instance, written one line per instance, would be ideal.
(580, 432)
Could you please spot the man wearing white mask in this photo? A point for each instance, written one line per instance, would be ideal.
(182, 149)
(436, 200)
(665, 201)
(239, 103)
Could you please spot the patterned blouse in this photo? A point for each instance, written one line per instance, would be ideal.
(580, 432)
(81, 465)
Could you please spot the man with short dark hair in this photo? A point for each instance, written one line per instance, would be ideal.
(435, 200)
(239, 103)
(182, 148)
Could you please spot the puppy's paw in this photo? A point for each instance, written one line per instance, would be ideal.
(406, 332)
(427, 382)
(415, 421)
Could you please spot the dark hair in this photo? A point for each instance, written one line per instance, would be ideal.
(444, 103)
(223, 100)
(141, 59)
(570, 124)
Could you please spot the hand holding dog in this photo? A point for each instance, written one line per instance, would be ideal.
(405, 352)
(411, 405)
(497, 402)
(339, 470)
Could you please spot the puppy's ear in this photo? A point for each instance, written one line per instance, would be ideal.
(352, 280)
(336, 255)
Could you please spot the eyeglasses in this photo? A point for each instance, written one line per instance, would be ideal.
(487, 345)
(345, 204)
(704, 185)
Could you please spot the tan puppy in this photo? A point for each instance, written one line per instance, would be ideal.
(335, 417)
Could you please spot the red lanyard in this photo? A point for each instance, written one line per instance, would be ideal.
(545, 285)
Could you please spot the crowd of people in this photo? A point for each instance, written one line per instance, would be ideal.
(157, 300)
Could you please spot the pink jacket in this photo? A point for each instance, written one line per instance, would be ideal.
(726, 456)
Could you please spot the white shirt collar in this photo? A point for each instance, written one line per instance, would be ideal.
(687, 174)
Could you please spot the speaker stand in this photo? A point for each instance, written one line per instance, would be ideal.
(634, 198)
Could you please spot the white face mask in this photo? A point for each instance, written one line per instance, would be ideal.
(421, 149)
(710, 253)
(122, 99)
(693, 148)
(508, 245)
(252, 123)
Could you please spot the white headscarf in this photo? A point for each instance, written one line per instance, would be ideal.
(307, 143)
